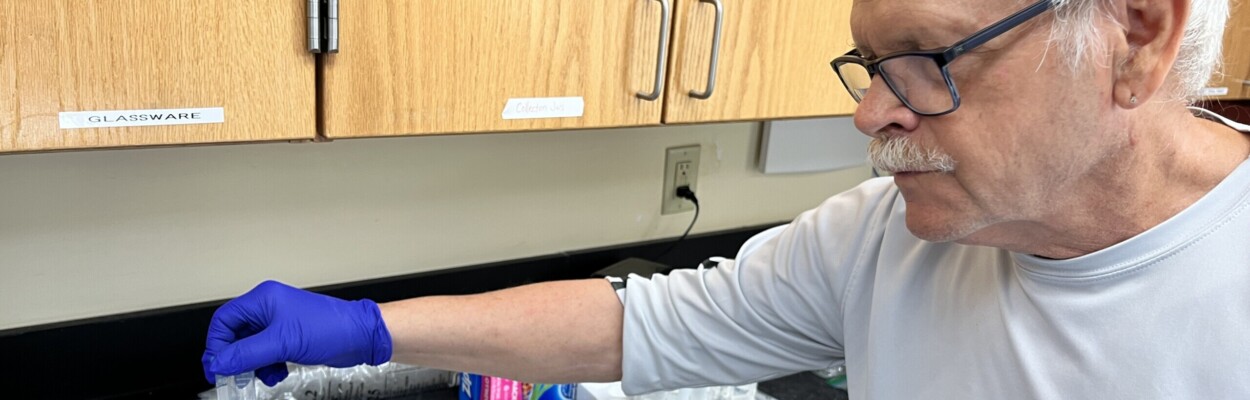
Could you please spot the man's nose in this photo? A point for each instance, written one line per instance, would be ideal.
(880, 109)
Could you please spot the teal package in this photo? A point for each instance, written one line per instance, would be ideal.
(553, 392)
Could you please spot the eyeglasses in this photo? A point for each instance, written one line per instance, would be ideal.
(920, 79)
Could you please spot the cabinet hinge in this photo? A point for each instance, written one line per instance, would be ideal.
(323, 26)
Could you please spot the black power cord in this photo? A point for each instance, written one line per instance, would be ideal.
(685, 193)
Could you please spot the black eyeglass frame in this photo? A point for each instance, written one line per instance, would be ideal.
(941, 57)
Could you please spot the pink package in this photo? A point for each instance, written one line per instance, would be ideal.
(505, 389)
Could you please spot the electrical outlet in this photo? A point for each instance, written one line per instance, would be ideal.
(681, 168)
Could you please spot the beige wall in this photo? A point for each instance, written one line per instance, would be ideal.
(94, 233)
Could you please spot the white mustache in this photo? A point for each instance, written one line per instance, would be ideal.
(901, 154)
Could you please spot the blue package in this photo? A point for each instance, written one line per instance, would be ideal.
(470, 386)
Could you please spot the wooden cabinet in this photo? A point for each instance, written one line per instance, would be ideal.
(242, 57)
(773, 61)
(439, 66)
(405, 67)
(427, 66)
(1235, 76)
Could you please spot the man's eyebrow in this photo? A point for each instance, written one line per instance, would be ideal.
(894, 46)
(920, 38)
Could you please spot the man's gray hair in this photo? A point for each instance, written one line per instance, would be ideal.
(1199, 54)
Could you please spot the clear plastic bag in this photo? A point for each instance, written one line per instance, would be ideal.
(324, 383)
(612, 391)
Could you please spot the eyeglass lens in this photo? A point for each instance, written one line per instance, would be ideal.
(915, 79)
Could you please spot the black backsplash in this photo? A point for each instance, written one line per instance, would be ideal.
(156, 353)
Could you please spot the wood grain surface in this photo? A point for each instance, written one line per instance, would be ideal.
(1235, 74)
(246, 56)
(437, 66)
(774, 60)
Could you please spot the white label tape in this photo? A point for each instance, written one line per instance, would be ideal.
(173, 116)
(544, 107)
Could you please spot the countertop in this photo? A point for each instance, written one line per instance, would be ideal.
(800, 386)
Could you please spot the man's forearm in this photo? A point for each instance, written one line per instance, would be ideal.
(554, 332)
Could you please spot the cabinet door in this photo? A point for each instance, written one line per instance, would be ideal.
(773, 62)
(1232, 82)
(238, 61)
(449, 66)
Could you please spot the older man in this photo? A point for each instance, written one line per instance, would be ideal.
(1059, 225)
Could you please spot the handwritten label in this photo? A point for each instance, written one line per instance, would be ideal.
(1213, 91)
(173, 116)
(544, 107)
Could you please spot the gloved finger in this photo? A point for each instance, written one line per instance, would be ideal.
(223, 329)
(206, 361)
(249, 353)
(232, 321)
(272, 374)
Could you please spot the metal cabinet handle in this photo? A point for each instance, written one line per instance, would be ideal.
(711, 73)
(332, 26)
(314, 26)
(662, 57)
(323, 26)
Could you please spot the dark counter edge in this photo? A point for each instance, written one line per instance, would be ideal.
(155, 353)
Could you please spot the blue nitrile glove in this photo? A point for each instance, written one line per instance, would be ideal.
(275, 323)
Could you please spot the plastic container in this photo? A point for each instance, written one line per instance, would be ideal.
(243, 386)
(835, 377)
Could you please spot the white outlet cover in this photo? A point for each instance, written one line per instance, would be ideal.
(812, 145)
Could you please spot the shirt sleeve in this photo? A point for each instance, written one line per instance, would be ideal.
(773, 310)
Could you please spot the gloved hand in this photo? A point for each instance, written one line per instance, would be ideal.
(275, 323)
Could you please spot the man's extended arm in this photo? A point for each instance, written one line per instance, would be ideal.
(554, 332)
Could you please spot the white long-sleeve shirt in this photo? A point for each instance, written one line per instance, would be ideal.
(1165, 314)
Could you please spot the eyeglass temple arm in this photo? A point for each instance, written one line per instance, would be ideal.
(992, 31)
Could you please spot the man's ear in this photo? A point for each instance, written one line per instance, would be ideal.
(1152, 33)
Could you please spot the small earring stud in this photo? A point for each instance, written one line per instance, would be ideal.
(1132, 100)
